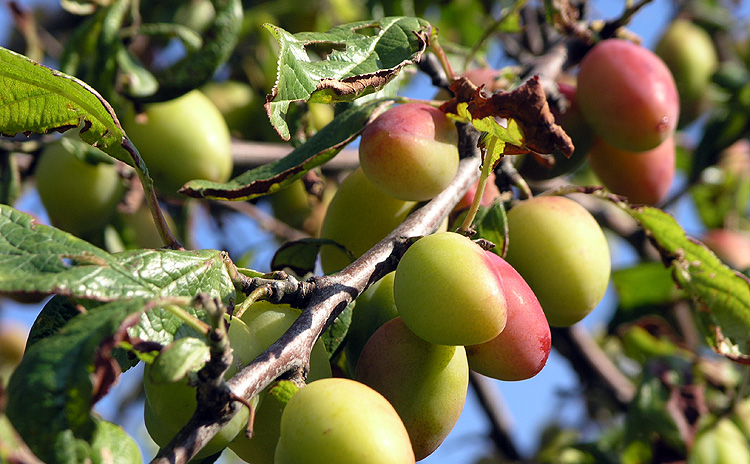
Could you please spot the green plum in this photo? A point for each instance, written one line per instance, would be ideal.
(425, 383)
(448, 292)
(80, 197)
(181, 140)
(358, 217)
(561, 251)
(373, 308)
(268, 322)
(341, 421)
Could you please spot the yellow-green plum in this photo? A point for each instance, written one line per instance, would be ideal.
(522, 348)
(562, 253)
(719, 443)
(341, 421)
(180, 140)
(373, 308)
(410, 152)
(292, 204)
(80, 197)
(169, 405)
(425, 383)
(628, 95)
(268, 322)
(644, 177)
(358, 217)
(689, 53)
(448, 292)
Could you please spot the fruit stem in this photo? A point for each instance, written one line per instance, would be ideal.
(442, 57)
(481, 183)
(165, 233)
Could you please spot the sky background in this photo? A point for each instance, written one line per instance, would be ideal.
(530, 404)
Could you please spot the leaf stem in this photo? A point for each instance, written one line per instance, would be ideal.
(192, 321)
(442, 57)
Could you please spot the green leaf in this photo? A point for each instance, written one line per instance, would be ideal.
(35, 98)
(59, 379)
(358, 59)
(56, 313)
(300, 255)
(41, 259)
(334, 336)
(492, 224)
(270, 177)
(112, 445)
(645, 284)
(723, 294)
(178, 360)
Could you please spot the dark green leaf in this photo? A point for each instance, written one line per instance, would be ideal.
(355, 59)
(35, 98)
(320, 148)
(334, 336)
(56, 381)
(56, 313)
(300, 255)
(491, 224)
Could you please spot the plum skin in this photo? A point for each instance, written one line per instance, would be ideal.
(410, 152)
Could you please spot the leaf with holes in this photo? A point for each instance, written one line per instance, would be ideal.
(41, 259)
(342, 64)
(37, 99)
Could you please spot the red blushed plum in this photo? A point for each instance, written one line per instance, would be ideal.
(628, 95)
(425, 383)
(731, 246)
(410, 152)
(448, 292)
(644, 177)
(522, 348)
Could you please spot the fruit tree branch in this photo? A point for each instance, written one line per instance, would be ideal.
(289, 356)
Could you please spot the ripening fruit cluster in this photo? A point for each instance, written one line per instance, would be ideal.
(628, 96)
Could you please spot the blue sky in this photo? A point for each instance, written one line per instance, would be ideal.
(530, 404)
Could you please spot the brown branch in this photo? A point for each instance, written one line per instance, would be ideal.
(591, 364)
(247, 154)
(291, 353)
(489, 399)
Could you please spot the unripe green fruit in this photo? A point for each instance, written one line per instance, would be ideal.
(628, 95)
(292, 204)
(181, 140)
(689, 53)
(425, 383)
(170, 405)
(644, 177)
(358, 217)
(340, 421)
(720, 443)
(80, 197)
(448, 292)
(373, 308)
(522, 348)
(410, 152)
(268, 322)
(561, 252)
